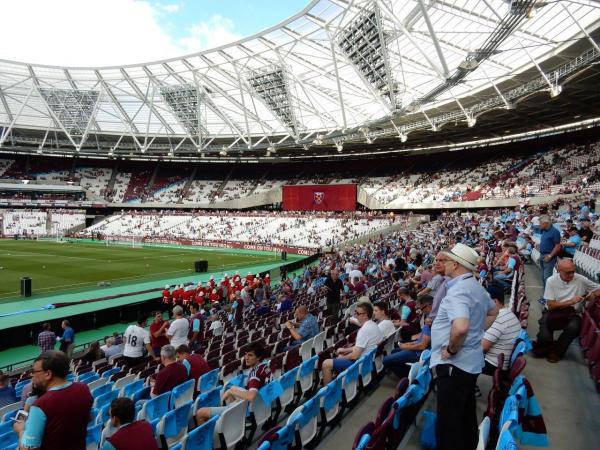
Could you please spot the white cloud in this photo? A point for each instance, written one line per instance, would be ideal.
(217, 31)
(100, 32)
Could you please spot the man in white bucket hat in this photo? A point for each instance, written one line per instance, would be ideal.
(456, 353)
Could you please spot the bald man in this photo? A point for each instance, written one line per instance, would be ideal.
(566, 293)
(306, 326)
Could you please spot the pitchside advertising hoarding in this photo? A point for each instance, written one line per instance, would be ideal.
(319, 197)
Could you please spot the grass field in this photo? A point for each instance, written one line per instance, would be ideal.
(67, 266)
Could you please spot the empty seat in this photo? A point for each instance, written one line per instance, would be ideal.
(172, 427)
(231, 426)
(182, 394)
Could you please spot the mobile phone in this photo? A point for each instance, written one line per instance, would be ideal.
(21, 416)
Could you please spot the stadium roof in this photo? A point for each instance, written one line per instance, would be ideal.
(338, 72)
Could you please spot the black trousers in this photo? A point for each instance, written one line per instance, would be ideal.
(333, 309)
(456, 427)
(568, 335)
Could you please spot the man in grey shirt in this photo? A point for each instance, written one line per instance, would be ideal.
(456, 353)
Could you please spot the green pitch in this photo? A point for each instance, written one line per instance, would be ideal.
(76, 266)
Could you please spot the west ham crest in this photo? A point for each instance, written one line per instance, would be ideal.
(318, 197)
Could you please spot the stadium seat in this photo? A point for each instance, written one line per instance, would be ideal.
(261, 408)
(331, 402)
(200, 438)
(173, 426)
(5, 411)
(305, 420)
(366, 368)
(101, 390)
(131, 388)
(182, 394)
(350, 383)
(306, 375)
(365, 432)
(231, 426)
(484, 433)
(94, 384)
(319, 342)
(93, 436)
(208, 399)
(306, 350)
(105, 399)
(288, 387)
(401, 388)
(505, 439)
(208, 381)
(110, 372)
(154, 409)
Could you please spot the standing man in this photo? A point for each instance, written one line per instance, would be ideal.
(196, 323)
(178, 331)
(565, 294)
(58, 419)
(456, 353)
(67, 341)
(550, 247)
(46, 339)
(136, 337)
(334, 288)
(158, 333)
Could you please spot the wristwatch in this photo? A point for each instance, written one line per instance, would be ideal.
(450, 352)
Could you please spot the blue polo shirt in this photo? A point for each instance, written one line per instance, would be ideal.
(571, 250)
(548, 240)
(309, 328)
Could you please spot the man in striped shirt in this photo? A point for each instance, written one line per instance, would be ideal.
(501, 336)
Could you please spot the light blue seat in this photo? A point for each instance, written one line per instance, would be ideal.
(109, 373)
(130, 389)
(103, 414)
(172, 427)
(182, 394)
(366, 368)
(208, 381)
(92, 438)
(520, 349)
(208, 399)
(101, 390)
(363, 442)
(8, 439)
(88, 377)
(105, 399)
(261, 408)
(238, 381)
(154, 409)
(5, 427)
(350, 382)
(332, 400)
(306, 418)
(288, 387)
(202, 437)
(8, 412)
(306, 374)
(141, 394)
(284, 439)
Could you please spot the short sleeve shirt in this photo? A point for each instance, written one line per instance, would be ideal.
(178, 332)
(259, 376)
(368, 336)
(560, 291)
(135, 338)
(309, 327)
(548, 240)
(387, 328)
(503, 333)
(465, 298)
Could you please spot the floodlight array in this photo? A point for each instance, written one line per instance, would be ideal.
(73, 108)
(184, 102)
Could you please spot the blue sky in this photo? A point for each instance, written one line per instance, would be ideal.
(92, 33)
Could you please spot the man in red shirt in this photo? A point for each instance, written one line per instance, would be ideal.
(258, 376)
(58, 418)
(170, 376)
(195, 364)
(131, 434)
(158, 333)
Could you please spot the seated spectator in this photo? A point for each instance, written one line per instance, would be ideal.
(194, 364)
(381, 315)
(286, 303)
(109, 348)
(504, 276)
(410, 352)
(501, 335)
(263, 309)
(130, 434)
(565, 294)
(118, 338)
(585, 231)
(46, 339)
(7, 392)
(572, 244)
(94, 353)
(258, 376)
(171, 375)
(368, 337)
(305, 327)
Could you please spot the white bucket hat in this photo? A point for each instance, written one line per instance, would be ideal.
(464, 255)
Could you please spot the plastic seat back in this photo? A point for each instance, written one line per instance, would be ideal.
(231, 426)
(201, 438)
(208, 381)
(92, 438)
(172, 427)
(182, 394)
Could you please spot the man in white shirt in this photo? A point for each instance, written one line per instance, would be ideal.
(501, 336)
(135, 339)
(368, 337)
(216, 326)
(179, 329)
(565, 294)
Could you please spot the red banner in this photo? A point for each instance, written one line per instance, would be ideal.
(319, 197)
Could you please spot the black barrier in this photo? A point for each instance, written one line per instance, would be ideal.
(25, 287)
(287, 268)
